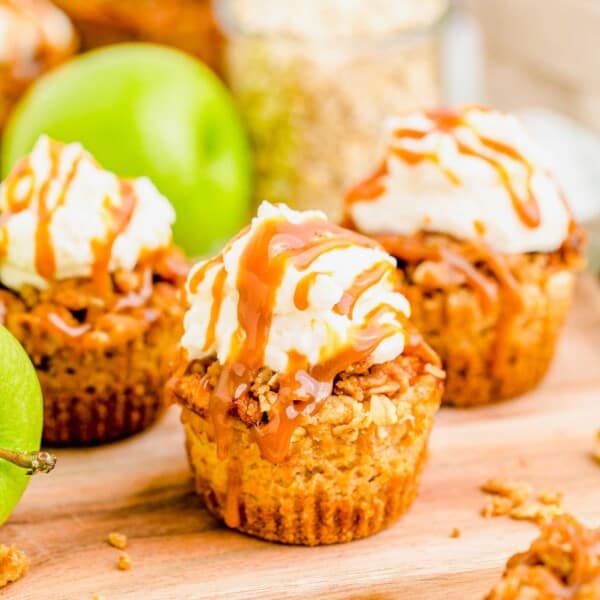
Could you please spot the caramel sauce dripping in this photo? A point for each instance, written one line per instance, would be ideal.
(415, 249)
(273, 245)
(303, 290)
(14, 205)
(218, 294)
(363, 282)
(120, 217)
(369, 189)
(45, 261)
(231, 511)
(199, 275)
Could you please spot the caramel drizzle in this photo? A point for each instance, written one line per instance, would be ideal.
(302, 290)
(272, 246)
(120, 217)
(447, 121)
(414, 249)
(371, 188)
(361, 284)
(45, 260)
(13, 205)
(231, 511)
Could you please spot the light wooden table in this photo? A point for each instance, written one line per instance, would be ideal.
(141, 487)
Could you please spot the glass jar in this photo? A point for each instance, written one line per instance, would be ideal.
(315, 80)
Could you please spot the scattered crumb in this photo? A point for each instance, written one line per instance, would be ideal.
(563, 562)
(13, 564)
(117, 540)
(536, 512)
(517, 491)
(596, 450)
(548, 497)
(496, 506)
(516, 500)
(455, 533)
(98, 597)
(124, 562)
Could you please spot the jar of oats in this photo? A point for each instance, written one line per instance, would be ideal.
(314, 80)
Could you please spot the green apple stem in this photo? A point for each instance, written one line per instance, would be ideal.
(34, 462)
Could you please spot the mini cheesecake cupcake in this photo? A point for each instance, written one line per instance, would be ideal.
(486, 246)
(91, 285)
(307, 403)
(34, 37)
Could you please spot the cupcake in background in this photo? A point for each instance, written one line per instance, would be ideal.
(486, 246)
(91, 286)
(307, 403)
(34, 37)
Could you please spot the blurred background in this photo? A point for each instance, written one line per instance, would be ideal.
(313, 80)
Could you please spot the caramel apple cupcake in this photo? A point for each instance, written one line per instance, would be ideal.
(307, 404)
(34, 37)
(91, 285)
(486, 246)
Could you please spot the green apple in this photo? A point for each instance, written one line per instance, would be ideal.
(143, 109)
(21, 417)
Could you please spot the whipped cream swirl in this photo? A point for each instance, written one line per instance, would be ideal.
(472, 173)
(295, 292)
(63, 216)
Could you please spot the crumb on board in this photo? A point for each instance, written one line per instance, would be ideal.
(550, 497)
(517, 491)
(455, 533)
(124, 563)
(496, 506)
(98, 597)
(13, 564)
(117, 540)
(536, 512)
(517, 500)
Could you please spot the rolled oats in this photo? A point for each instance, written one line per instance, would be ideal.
(315, 80)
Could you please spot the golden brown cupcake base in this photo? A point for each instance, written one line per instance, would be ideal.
(491, 349)
(83, 406)
(353, 468)
(102, 360)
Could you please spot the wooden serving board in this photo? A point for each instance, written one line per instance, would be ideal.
(141, 487)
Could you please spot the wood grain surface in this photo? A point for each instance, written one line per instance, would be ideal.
(141, 487)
